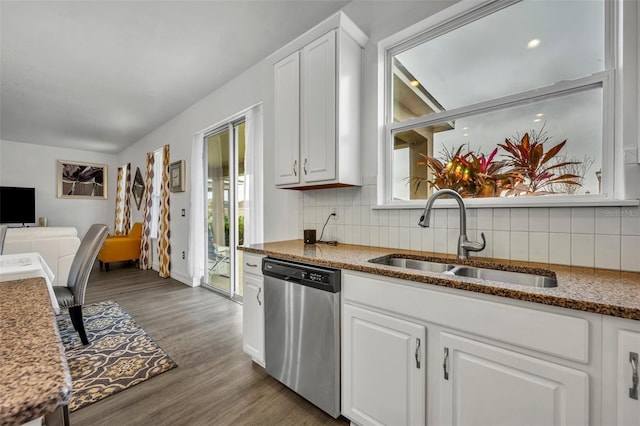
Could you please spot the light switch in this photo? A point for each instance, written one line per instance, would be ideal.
(183, 212)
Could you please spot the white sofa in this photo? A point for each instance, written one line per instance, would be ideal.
(58, 247)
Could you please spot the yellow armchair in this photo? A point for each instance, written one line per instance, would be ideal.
(121, 248)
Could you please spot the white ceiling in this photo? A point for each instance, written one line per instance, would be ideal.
(99, 75)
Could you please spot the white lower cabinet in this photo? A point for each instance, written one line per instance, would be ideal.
(484, 360)
(622, 372)
(253, 309)
(483, 384)
(383, 369)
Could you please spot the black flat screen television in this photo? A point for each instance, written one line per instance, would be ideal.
(17, 205)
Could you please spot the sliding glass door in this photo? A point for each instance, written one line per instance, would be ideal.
(225, 148)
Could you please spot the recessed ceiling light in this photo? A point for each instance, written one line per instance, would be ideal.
(414, 83)
(466, 134)
(536, 120)
(539, 114)
(533, 43)
(464, 128)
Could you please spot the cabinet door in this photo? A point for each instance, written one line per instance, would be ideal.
(383, 369)
(253, 318)
(287, 119)
(318, 109)
(482, 384)
(628, 378)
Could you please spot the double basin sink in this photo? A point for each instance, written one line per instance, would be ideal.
(511, 277)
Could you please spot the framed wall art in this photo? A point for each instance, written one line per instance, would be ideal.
(177, 176)
(81, 180)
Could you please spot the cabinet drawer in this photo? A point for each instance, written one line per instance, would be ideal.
(252, 263)
(555, 334)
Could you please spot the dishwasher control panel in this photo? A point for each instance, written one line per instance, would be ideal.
(310, 275)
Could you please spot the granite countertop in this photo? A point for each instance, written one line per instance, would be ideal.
(34, 376)
(600, 291)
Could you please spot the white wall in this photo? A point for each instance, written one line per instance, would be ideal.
(30, 165)
(251, 87)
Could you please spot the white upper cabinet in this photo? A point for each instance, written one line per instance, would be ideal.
(286, 119)
(317, 106)
(318, 110)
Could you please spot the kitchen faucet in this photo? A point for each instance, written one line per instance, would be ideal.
(464, 245)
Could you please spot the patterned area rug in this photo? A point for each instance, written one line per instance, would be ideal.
(119, 355)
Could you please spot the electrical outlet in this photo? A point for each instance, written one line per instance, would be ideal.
(182, 255)
(183, 212)
(334, 211)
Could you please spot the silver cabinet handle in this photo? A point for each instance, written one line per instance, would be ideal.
(304, 166)
(258, 297)
(444, 364)
(295, 167)
(633, 390)
(417, 353)
(251, 265)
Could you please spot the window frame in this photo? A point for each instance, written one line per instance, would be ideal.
(461, 14)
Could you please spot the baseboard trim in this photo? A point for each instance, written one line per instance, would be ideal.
(184, 279)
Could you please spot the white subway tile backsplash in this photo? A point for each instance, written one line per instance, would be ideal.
(519, 242)
(582, 250)
(365, 235)
(416, 240)
(453, 218)
(374, 238)
(440, 243)
(501, 244)
(560, 220)
(383, 218)
(383, 236)
(452, 240)
(519, 219)
(404, 238)
(608, 220)
(428, 236)
(539, 247)
(364, 215)
(560, 248)
(607, 251)
(501, 219)
(394, 217)
(394, 239)
(630, 220)
(539, 220)
(440, 218)
(630, 253)
(472, 219)
(484, 218)
(604, 237)
(583, 220)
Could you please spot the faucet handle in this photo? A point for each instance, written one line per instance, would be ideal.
(474, 245)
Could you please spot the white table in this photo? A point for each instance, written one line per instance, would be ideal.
(28, 265)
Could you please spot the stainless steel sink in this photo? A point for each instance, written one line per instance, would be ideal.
(421, 265)
(510, 277)
(521, 278)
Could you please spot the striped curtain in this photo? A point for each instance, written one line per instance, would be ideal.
(123, 201)
(145, 243)
(118, 228)
(127, 201)
(164, 233)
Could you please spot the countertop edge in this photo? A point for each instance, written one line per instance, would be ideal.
(462, 284)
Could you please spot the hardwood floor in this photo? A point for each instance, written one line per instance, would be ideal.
(215, 384)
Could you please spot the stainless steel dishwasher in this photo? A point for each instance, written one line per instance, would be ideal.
(302, 330)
